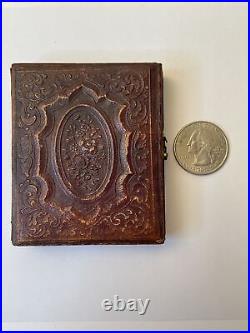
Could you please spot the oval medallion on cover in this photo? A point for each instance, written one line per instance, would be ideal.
(85, 152)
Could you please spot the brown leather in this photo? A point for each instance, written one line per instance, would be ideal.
(87, 154)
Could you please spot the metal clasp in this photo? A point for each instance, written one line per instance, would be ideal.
(165, 148)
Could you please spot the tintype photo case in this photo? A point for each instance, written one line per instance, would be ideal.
(87, 154)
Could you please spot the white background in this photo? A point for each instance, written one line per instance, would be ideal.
(200, 274)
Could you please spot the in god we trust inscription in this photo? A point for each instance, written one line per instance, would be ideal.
(87, 154)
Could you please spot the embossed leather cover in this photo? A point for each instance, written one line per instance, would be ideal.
(87, 154)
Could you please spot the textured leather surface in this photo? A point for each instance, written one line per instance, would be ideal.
(87, 154)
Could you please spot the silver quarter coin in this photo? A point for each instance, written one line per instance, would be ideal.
(201, 147)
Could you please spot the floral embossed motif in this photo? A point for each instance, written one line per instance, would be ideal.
(85, 152)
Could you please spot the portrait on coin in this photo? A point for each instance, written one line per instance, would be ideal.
(200, 144)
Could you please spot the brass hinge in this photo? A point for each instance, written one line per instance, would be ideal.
(165, 148)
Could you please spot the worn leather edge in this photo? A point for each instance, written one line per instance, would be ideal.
(14, 222)
(157, 148)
